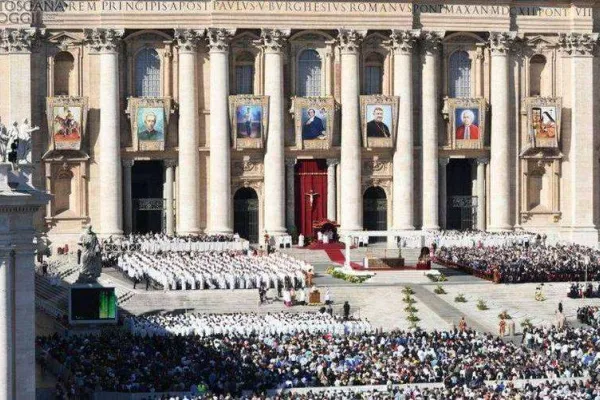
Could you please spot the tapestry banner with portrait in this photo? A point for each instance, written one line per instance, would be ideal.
(379, 116)
(314, 122)
(249, 121)
(543, 122)
(149, 122)
(67, 117)
(467, 122)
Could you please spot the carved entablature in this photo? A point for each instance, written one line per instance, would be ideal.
(247, 168)
(21, 40)
(537, 44)
(582, 44)
(65, 41)
(377, 167)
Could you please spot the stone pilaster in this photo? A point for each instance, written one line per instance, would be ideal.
(220, 218)
(128, 200)
(188, 221)
(481, 197)
(431, 44)
(351, 149)
(273, 42)
(105, 42)
(582, 151)
(500, 161)
(290, 215)
(331, 189)
(169, 180)
(443, 191)
(401, 43)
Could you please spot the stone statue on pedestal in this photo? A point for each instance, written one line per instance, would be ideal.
(91, 266)
(24, 144)
(4, 138)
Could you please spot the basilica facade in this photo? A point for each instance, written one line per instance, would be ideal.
(269, 116)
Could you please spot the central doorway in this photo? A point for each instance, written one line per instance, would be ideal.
(147, 193)
(375, 211)
(245, 214)
(310, 194)
(461, 205)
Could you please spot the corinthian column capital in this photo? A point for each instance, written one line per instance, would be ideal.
(501, 42)
(273, 40)
(349, 40)
(432, 41)
(188, 39)
(578, 43)
(219, 39)
(19, 40)
(402, 41)
(102, 40)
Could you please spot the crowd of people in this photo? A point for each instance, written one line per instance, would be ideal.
(525, 262)
(215, 270)
(480, 238)
(161, 242)
(122, 361)
(244, 325)
(589, 315)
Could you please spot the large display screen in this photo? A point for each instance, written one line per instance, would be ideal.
(92, 304)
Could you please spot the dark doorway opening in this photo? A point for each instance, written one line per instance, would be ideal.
(375, 211)
(461, 206)
(147, 193)
(245, 214)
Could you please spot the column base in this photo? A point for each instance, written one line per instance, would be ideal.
(431, 228)
(276, 232)
(503, 228)
(584, 235)
(404, 228)
(191, 232)
(219, 231)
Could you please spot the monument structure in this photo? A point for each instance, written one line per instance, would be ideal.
(486, 113)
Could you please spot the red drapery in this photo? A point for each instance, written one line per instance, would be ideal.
(310, 175)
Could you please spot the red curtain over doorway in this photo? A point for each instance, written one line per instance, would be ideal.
(311, 177)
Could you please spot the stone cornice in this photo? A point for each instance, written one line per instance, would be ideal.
(349, 40)
(21, 40)
(501, 42)
(219, 39)
(273, 40)
(574, 44)
(102, 40)
(432, 41)
(402, 41)
(188, 39)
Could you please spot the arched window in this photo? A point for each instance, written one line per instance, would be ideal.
(147, 73)
(64, 64)
(460, 75)
(373, 74)
(537, 64)
(309, 74)
(244, 73)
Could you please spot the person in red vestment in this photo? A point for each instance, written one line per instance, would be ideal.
(468, 130)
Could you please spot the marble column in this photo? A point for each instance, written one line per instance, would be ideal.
(331, 189)
(106, 43)
(17, 286)
(500, 161)
(351, 149)
(481, 217)
(272, 41)
(431, 43)
(188, 221)
(128, 200)
(401, 43)
(220, 217)
(290, 200)
(582, 157)
(169, 198)
(443, 162)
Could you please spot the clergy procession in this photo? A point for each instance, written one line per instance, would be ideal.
(245, 325)
(215, 270)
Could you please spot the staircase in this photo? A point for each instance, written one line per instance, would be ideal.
(53, 299)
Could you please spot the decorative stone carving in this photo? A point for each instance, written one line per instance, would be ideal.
(377, 167)
(501, 42)
(578, 43)
(402, 41)
(219, 38)
(247, 167)
(349, 40)
(20, 40)
(432, 41)
(90, 267)
(188, 39)
(273, 40)
(103, 40)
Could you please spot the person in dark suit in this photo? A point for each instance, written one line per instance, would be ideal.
(376, 127)
(150, 133)
(313, 128)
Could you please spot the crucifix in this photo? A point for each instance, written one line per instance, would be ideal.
(312, 195)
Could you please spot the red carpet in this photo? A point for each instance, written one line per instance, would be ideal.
(337, 257)
(322, 246)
